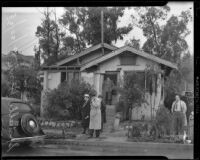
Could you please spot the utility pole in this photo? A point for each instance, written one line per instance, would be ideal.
(102, 33)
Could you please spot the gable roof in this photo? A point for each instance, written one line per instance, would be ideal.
(134, 51)
(85, 52)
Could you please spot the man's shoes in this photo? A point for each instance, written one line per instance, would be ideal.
(90, 136)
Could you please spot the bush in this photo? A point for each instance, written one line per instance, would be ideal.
(65, 101)
(132, 93)
(163, 121)
(122, 107)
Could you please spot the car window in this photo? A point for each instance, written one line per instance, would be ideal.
(21, 106)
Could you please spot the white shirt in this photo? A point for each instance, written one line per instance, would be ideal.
(179, 106)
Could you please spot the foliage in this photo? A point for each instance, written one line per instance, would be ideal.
(176, 79)
(166, 41)
(84, 25)
(132, 93)
(158, 128)
(26, 81)
(65, 101)
(49, 38)
(187, 68)
(21, 77)
(123, 108)
(135, 43)
(133, 89)
(163, 121)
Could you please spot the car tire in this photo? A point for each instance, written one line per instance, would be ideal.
(26, 127)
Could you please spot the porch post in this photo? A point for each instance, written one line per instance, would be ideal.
(101, 83)
(97, 82)
(45, 84)
(45, 87)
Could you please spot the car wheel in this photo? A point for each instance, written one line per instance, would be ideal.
(29, 124)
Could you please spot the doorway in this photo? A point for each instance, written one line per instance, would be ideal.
(108, 88)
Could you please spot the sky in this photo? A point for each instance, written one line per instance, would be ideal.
(19, 25)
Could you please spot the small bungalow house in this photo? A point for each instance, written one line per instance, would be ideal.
(98, 62)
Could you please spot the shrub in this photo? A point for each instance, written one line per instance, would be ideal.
(163, 121)
(122, 107)
(65, 101)
(132, 93)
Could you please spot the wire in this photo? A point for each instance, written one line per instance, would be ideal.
(34, 38)
(28, 47)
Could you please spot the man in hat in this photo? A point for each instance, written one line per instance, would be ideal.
(85, 111)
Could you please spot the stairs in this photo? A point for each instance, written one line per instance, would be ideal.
(110, 116)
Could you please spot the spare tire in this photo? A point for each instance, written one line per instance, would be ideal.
(29, 124)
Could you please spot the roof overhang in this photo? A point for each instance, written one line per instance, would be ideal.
(132, 50)
(60, 68)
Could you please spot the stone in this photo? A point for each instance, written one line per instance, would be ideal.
(63, 124)
(46, 123)
(54, 124)
(67, 124)
(42, 123)
(58, 125)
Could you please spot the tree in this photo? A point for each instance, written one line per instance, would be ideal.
(25, 81)
(49, 37)
(22, 76)
(187, 68)
(166, 41)
(135, 43)
(84, 23)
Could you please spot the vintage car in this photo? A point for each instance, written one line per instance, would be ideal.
(19, 125)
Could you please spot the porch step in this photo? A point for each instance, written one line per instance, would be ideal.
(110, 116)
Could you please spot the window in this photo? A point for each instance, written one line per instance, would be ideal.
(63, 76)
(21, 106)
(128, 59)
(70, 76)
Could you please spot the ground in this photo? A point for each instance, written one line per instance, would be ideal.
(106, 145)
(111, 149)
(111, 143)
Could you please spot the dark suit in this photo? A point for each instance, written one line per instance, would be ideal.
(103, 114)
(85, 112)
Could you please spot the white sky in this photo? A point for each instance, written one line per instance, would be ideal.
(19, 25)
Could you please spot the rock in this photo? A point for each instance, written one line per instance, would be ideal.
(63, 124)
(42, 123)
(67, 124)
(46, 123)
(54, 124)
(58, 125)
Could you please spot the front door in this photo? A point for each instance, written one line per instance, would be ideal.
(108, 87)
